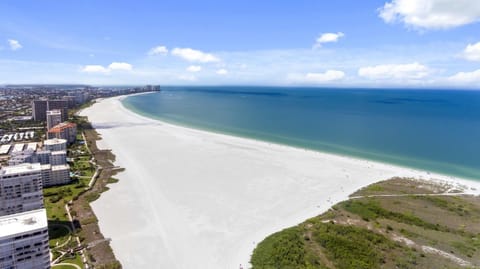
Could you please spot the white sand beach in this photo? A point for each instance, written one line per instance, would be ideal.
(195, 199)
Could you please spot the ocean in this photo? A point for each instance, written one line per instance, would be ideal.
(433, 130)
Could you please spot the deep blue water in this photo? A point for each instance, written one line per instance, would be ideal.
(435, 130)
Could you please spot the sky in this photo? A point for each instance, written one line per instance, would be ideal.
(342, 43)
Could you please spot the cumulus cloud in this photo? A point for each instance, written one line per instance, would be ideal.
(327, 38)
(395, 71)
(466, 77)
(158, 50)
(431, 14)
(14, 44)
(327, 76)
(194, 68)
(115, 66)
(472, 52)
(120, 66)
(222, 71)
(94, 69)
(192, 55)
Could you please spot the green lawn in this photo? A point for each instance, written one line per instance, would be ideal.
(58, 234)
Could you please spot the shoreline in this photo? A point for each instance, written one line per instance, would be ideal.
(445, 177)
(354, 153)
(335, 191)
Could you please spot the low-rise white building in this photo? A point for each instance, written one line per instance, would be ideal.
(5, 149)
(24, 240)
(20, 188)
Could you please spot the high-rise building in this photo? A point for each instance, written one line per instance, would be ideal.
(20, 188)
(54, 117)
(61, 105)
(64, 130)
(39, 110)
(24, 240)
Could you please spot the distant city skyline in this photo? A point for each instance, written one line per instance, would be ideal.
(345, 43)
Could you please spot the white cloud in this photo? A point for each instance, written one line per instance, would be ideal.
(328, 38)
(472, 52)
(14, 44)
(222, 71)
(431, 14)
(327, 76)
(395, 71)
(192, 55)
(466, 77)
(194, 68)
(94, 69)
(158, 50)
(120, 66)
(115, 66)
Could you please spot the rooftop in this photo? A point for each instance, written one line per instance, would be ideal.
(61, 126)
(54, 141)
(60, 167)
(59, 152)
(20, 169)
(22, 222)
(18, 147)
(32, 145)
(4, 149)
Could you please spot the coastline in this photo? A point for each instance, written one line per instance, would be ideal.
(226, 208)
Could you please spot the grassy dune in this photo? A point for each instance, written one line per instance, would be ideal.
(398, 223)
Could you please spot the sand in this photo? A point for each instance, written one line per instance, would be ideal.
(195, 199)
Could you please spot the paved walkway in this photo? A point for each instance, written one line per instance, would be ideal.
(82, 252)
(67, 264)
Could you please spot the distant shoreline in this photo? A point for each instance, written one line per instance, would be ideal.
(165, 185)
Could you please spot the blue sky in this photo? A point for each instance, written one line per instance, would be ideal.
(428, 43)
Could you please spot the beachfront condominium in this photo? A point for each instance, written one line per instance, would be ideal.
(55, 144)
(54, 117)
(24, 240)
(39, 156)
(52, 160)
(20, 188)
(64, 130)
(53, 175)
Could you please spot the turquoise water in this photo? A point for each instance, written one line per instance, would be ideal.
(434, 130)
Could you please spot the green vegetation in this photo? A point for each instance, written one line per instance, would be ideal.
(371, 210)
(350, 246)
(382, 232)
(58, 234)
(282, 250)
(345, 246)
(57, 197)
